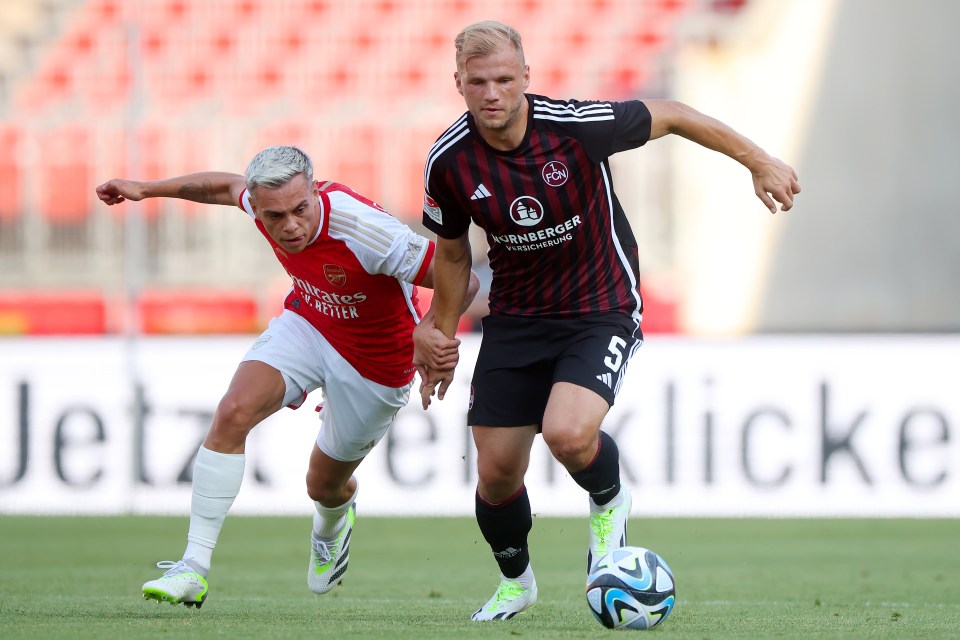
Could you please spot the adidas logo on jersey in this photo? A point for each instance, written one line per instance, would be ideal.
(480, 193)
(606, 379)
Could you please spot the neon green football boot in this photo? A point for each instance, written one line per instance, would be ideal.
(509, 600)
(180, 584)
(608, 526)
(328, 558)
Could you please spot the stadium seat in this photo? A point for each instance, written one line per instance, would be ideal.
(105, 13)
(360, 170)
(244, 10)
(667, 7)
(11, 171)
(52, 313)
(150, 163)
(364, 86)
(200, 311)
(297, 132)
(65, 163)
(314, 9)
(661, 307)
(177, 10)
(154, 42)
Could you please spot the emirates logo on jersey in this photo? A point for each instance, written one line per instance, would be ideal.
(555, 173)
(335, 274)
(526, 211)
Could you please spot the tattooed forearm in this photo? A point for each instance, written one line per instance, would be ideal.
(203, 192)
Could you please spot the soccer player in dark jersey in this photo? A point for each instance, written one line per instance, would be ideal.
(565, 303)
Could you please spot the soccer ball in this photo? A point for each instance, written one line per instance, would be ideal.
(631, 588)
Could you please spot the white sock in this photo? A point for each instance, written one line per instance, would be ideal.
(525, 579)
(216, 483)
(328, 521)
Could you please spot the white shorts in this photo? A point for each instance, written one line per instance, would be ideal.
(356, 412)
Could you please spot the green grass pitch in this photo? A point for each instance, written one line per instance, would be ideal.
(80, 577)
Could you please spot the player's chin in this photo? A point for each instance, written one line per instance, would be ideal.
(493, 124)
(294, 247)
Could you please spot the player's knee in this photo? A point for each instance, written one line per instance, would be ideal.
(235, 416)
(323, 490)
(497, 483)
(570, 444)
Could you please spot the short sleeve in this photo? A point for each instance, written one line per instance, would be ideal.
(441, 212)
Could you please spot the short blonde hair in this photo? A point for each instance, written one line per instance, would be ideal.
(484, 38)
(276, 166)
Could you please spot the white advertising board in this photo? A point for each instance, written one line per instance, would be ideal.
(759, 426)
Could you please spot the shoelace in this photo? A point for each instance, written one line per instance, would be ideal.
(506, 591)
(602, 525)
(323, 552)
(174, 568)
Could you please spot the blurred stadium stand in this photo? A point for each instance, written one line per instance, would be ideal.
(94, 89)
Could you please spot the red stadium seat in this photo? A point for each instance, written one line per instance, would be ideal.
(64, 161)
(105, 12)
(361, 169)
(52, 313)
(177, 10)
(661, 307)
(201, 311)
(671, 6)
(11, 172)
(150, 164)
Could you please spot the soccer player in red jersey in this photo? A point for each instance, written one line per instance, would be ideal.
(533, 172)
(346, 328)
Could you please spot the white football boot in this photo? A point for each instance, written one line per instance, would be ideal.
(181, 584)
(608, 526)
(328, 558)
(509, 600)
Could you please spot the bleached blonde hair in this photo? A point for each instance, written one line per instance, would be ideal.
(276, 166)
(484, 38)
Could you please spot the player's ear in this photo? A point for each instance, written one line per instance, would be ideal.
(526, 76)
(456, 79)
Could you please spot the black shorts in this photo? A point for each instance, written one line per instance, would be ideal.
(521, 358)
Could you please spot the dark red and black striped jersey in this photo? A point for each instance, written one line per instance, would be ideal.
(560, 243)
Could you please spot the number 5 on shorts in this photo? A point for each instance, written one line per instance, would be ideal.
(615, 359)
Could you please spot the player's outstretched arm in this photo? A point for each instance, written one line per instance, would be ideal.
(773, 180)
(208, 187)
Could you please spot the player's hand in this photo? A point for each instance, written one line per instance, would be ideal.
(775, 181)
(432, 348)
(116, 191)
(433, 382)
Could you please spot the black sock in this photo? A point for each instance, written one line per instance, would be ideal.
(505, 527)
(601, 478)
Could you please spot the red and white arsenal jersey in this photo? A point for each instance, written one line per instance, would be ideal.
(355, 282)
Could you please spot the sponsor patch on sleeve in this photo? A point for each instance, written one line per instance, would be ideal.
(432, 209)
